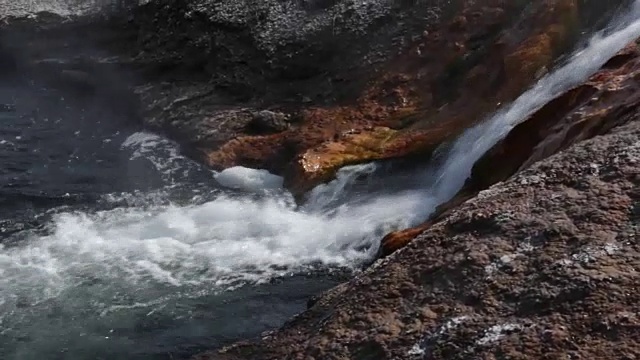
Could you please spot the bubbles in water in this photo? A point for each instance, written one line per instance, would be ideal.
(233, 239)
(325, 195)
(163, 154)
(153, 247)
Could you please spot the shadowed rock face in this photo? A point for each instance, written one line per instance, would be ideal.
(541, 266)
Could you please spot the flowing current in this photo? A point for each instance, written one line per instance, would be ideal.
(163, 262)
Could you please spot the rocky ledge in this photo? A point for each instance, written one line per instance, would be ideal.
(544, 265)
(302, 88)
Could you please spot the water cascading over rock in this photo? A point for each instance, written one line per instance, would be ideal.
(304, 88)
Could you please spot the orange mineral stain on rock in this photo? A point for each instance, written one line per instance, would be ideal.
(399, 239)
(449, 78)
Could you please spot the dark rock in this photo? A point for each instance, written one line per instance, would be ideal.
(267, 122)
(488, 52)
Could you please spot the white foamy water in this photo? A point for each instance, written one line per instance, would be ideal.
(240, 177)
(139, 256)
(161, 152)
(215, 243)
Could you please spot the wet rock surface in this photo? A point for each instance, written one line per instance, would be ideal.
(606, 100)
(356, 81)
(452, 72)
(542, 265)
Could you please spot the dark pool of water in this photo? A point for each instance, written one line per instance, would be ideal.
(61, 154)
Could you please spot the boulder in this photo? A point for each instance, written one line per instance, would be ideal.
(267, 122)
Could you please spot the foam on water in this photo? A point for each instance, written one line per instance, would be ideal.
(164, 154)
(216, 242)
(240, 177)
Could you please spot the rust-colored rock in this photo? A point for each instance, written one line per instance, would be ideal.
(398, 239)
(401, 238)
(449, 78)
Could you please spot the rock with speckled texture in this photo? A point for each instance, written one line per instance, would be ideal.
(606, 100)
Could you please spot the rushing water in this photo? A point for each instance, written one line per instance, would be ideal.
(116, 246)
